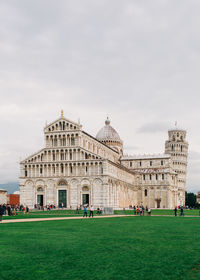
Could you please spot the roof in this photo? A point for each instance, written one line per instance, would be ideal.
(152, 170)
(107, 133)
(156, 156)
(3, 190)
(100, 142)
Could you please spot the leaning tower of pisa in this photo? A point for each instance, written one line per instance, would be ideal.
(177, 147)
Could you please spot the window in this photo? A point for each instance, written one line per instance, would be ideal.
(26, 173)
(71, 169)
(150, 163)
(162, 162)
(150, 177)
(131, 164)
(86, 169)
(61, 168)
(62, 156)
(144, 177)
(145, 192)
(72, 141)
(54, 169)
(163, 176)
(70, 156)
(156, 176)
(54, 156)
(140, 163)
(40, 170)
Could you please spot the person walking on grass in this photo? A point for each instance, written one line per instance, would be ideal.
(134, 210)
(175, 211)
(91, 211)
(85, 212)
(182, 214)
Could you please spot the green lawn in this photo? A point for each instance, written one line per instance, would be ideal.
(163, 212)
(71, 213)
(91, 249)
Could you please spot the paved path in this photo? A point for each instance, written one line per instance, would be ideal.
(59, 218)
(78, 218)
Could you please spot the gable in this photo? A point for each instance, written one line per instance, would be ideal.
(62, 124)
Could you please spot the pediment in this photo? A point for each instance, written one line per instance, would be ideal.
(62, 124)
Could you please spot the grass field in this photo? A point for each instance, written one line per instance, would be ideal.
(69, 213)
(116, 248)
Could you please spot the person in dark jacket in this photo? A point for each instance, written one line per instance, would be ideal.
(1, 212)
(175, 211)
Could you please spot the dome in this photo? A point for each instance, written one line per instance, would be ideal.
(108, 133)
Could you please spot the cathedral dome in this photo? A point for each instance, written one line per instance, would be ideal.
(108, 133)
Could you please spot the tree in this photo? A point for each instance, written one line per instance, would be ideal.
(190, 199)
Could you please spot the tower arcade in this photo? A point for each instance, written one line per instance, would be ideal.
(177, 147)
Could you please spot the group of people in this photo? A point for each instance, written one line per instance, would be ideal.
(176, 211)
(11, 210)
(91, 211)
(140, 210)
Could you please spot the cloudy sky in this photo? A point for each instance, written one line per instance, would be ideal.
(136, 61)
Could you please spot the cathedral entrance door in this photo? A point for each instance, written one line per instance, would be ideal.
(62, 198)
(40, 199)
(85, 199)
(158, 202)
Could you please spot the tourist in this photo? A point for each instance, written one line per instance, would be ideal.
(134, 210)
(142, 211)
(27, 209)
(182, 214)
(138, 212)
(85, 211)
(77, 210)
(91, 211)
(149, 211)
(175, 211)
(1, 212)
(100, 210)
(9, 210)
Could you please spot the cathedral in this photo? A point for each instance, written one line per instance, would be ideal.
(75, 169)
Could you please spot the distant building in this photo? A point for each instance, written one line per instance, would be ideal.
(3, 196)
(14, 199)
(75, 168)
(198, 197)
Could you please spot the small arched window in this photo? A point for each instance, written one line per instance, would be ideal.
(145, 192)
(61, 168)
(72, 141)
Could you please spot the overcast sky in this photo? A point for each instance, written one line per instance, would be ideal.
(136, 61)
